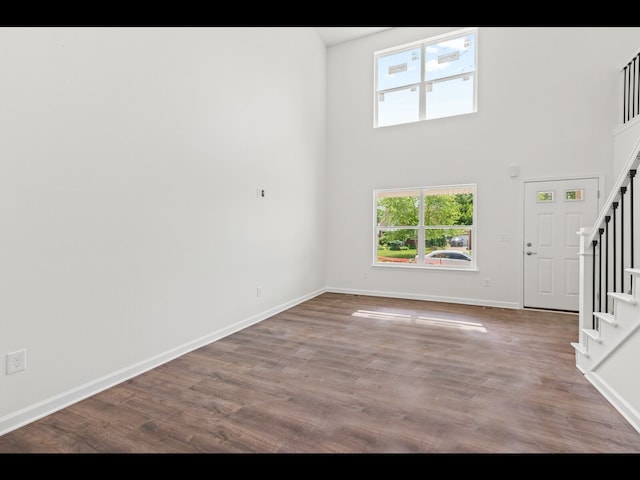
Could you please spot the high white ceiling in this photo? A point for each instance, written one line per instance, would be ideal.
(335, 35)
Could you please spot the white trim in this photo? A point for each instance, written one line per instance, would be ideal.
(599, 177)
(421, 227)
(46, 407)
(619, 403)
(630, 61)
(428, 298)
(414, 266)
(433, 39)
(615, 190)
(586, 176)
(618, 129)
(421, 85)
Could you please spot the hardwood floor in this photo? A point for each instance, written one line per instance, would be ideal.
(355, 374)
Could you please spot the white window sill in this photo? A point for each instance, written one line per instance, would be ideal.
(425, 267)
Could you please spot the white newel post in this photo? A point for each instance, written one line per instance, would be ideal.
(585, 302)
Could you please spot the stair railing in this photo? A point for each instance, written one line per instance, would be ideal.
(613, 234)
(612, 245)
(631, 89)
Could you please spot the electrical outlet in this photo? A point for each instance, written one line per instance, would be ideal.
(258, 292)
(16, 361)
(487, 282)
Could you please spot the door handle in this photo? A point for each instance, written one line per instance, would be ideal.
(532, 253)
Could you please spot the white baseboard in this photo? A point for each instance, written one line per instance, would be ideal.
(430, 298)
(626, 410)
(39, 410)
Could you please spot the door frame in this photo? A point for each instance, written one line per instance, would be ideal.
(521, 249)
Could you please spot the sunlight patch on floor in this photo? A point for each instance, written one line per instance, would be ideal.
(421, 320)
(381, 315)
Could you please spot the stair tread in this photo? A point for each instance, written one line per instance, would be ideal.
(595, 334)
(580, 348)
(625, 297)
(607, 317)
(633, 271)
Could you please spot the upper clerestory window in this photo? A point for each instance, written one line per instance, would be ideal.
(425, 80)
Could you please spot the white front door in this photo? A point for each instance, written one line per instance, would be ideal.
(554, 211)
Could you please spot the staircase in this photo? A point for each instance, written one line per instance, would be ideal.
(608, 349)
(611, 331)
(608, 353)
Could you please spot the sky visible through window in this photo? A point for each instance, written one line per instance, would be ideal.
(449, 77)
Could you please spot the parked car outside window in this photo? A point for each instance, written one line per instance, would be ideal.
(447, 257)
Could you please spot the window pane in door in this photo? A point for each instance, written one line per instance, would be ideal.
(573, 195)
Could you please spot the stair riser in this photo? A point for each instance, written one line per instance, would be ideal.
(627, 317)
(626, 314)
(583, 363)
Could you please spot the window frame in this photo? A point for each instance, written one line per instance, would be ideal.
(422, 228)
(423, 82)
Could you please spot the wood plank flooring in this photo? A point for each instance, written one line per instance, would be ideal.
(355, 374)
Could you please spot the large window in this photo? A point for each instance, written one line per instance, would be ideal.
(426, 227)
(425, 80)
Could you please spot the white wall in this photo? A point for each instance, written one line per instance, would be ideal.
(130, 228)
(626, 146)
(548, 102)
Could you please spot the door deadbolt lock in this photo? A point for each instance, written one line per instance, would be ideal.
(528, 244)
